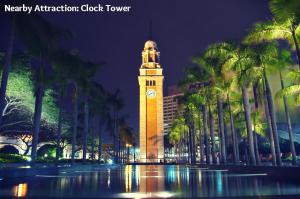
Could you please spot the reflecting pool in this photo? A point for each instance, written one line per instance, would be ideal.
(147, 181)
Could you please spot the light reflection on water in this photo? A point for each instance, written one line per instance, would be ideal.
(148, 181)
(20, 190)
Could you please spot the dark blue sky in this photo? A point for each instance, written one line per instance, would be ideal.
(181, 28)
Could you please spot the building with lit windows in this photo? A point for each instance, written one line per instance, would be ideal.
(171, 107)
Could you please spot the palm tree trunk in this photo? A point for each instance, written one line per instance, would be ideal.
(288, 121)
(6, 68)
(212, 136)
(75, 123)
(85, 131)
(37, 121)
(248, 124)
(190, 143)
(238, 146)
(258, 162)
(273, 119)
(233, 133)
(115, 137)
(133, 153)
(100, 143)
(93, 141)
(221, 130)
(59, 125)
(193, 147)
(200, 141)
(119, 149)
(205, 131)
(297, 46)
(271, 137)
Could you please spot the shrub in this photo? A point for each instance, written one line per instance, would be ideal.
(12, 158)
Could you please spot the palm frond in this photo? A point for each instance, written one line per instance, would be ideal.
(288, 91)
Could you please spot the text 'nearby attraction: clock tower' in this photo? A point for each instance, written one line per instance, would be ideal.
(151, 105)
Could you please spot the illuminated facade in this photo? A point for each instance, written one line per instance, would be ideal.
(151, 105)
(171, 107)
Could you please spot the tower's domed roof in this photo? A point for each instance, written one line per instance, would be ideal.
(150, 45)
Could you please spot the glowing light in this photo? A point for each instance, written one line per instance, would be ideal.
(215, 170)
(161, 194)
(200, 177)
(252, 174)
(152, 176)
(110, 161)
(108, 179)
(219, 182)
(20, 190)
(128, 170)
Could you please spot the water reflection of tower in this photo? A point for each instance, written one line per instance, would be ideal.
(152, 178)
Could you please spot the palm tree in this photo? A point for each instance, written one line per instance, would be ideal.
(98, 109)
(117, 104)
(62, 61)
(190, 110)
(294, 89)
(266, 55)
(200, 97)
(104, 118)
(238, 59)
(284, 60)
(233, 132)
(69, 68)
(288, 11)
(40, 42)
(6, 66)
(285, 25)
(216, 78)
(176, 134)
(89, 88)
(127, 138)
(75, 95)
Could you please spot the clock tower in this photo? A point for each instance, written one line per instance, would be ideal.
(151, 105)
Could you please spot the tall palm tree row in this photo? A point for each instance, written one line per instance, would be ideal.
(71, 77)
(232, 83)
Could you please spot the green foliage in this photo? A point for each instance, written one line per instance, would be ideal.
(20, 89)
(284, 10)
(271, 30)
(177, 130)
(12, 158)
(294, 89)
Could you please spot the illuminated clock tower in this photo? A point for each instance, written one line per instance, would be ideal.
(151, 105)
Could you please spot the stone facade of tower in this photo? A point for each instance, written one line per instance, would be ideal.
(151, 105)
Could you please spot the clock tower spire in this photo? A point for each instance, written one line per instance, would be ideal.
(151, 105)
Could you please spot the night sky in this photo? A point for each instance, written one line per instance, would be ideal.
(181, 29)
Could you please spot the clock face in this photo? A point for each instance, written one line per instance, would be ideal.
(151, 93)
